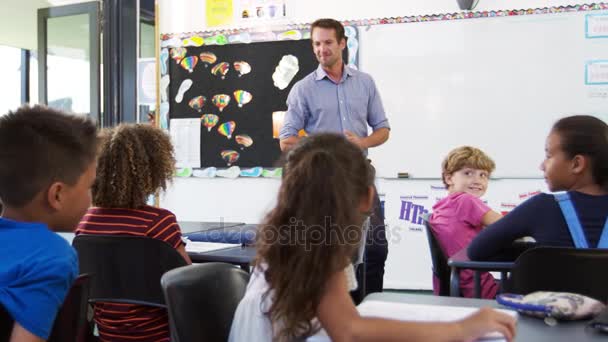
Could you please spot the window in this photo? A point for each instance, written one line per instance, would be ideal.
(10, 86)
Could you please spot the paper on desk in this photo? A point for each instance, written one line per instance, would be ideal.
(186, 139)
(423, 313)
(202, 247)
(416, 313)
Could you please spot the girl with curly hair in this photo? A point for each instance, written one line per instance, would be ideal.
(135, 161)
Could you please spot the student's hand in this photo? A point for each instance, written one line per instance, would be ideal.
(355, 139)
(486, 321)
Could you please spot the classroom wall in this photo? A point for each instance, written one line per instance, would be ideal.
(189, 15)
(248, 200)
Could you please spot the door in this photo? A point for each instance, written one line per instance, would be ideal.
(69, 58)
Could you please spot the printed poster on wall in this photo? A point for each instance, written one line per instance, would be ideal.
(219, 13)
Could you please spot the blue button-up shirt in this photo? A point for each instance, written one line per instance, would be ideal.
(317, 104)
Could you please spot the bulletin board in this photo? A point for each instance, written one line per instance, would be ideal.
(253, 119)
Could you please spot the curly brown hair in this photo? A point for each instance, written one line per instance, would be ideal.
(465, 156)
(135, 161)
(313, 231)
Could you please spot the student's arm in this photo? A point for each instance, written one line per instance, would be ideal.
(167, 229)
(472, 210)
(182, 250)
(490, 217)
(340, 319)
(34, 298)
(19, 334)
(500, 235)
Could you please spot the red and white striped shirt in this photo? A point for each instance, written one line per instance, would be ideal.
(129, 322)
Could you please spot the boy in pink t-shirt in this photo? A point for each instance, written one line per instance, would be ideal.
(457, 218)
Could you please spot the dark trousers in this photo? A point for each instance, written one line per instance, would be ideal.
(376, 249)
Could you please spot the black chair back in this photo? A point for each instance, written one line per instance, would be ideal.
(6, 324)
(71, 323)
(202, 299)
(561, 269)
(440, 263)
(126, 269)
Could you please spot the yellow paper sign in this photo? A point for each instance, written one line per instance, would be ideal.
(219, 12)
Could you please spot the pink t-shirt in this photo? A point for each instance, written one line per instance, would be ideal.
(455, 221)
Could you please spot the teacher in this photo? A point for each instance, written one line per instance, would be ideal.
(337, 98)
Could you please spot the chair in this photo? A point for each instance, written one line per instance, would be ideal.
(6, 324)
(561, 269)
(126, 269)
(439, 261)
(202, 300)
(71, 322)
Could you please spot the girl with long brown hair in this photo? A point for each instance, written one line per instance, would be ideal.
(307, 241)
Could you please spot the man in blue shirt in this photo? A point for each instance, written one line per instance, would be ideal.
(337, 98)
(47, 168)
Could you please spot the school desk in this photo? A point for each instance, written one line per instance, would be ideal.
(461, 261)
(528, 328)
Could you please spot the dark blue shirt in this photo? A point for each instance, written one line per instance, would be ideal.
(541, 218)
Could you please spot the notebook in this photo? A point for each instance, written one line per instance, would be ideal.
(202, 247)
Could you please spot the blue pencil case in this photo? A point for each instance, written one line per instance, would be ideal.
(557, 305)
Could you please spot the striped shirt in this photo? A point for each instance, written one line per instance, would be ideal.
(129, 322)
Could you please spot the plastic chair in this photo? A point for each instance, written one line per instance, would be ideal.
(71, 322)
(202, 300)
(561, 269)
(439, 261)
(126, 269)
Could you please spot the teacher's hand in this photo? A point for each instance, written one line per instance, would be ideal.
(355, 139)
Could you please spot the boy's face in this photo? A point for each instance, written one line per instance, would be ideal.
(74, 201)
(469, 180)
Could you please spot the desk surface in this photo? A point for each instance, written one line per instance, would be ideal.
(528, 328)
(194, 226)
(235, 255)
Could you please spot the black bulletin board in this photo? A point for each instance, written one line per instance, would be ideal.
(254, 118)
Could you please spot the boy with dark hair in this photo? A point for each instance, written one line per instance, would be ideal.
(47, 167)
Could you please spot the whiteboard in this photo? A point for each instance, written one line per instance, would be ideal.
(495, 83)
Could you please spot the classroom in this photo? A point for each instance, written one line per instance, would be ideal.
(207, 130)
